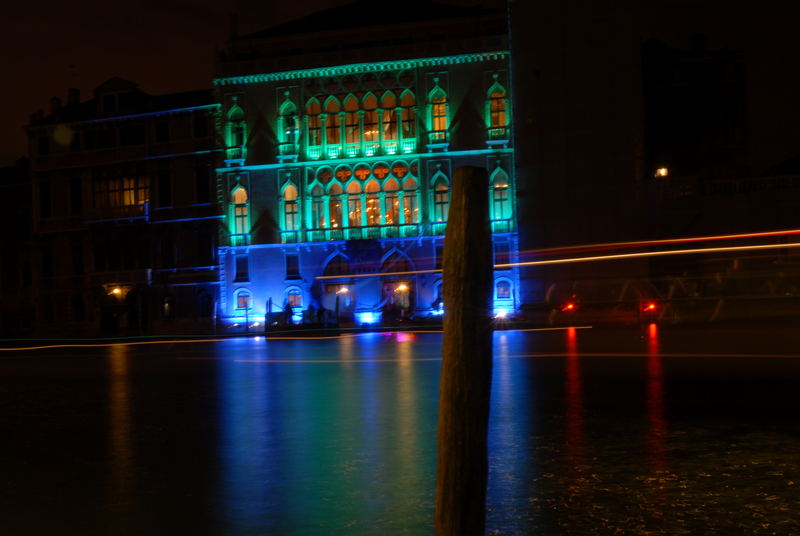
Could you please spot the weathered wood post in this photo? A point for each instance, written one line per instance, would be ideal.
(464, 388)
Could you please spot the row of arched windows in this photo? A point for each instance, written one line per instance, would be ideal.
(335, 204)
(362, 125)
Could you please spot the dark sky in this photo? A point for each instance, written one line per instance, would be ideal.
(163, 45)
(167, 46)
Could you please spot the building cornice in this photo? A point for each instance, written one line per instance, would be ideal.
(352, 161)
(357, 68)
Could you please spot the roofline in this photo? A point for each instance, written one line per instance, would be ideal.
(355, 68)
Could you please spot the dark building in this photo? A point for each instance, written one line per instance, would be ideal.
(16, 279)
(124, 212)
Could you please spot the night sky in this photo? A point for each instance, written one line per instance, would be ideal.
(167, 46)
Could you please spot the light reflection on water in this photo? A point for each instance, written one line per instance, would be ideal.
(338, 437)
(345, 444)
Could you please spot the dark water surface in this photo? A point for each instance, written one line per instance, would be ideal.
(592, 432)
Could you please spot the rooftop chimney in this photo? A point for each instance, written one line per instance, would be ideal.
(73, 96)
(55, 104)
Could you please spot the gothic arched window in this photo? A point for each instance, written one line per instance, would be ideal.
(438, 107)
(389, 116)
(313, 111)
(354, 204)
(408, 119)
(370, 118)
(335, 205)
(352, 131)
(332, 136)
(501, 204)
(240, 203)
(373, 203)
(391, 202)
(441, 199)
(288, 123)
(317, 207)
(290, 216)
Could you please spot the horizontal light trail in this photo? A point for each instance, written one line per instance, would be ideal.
(595, 258)
(661, 242)
(644, 254)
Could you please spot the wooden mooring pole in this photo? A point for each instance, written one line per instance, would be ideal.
(465, 385)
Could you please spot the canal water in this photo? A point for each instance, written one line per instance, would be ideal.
(592, 432)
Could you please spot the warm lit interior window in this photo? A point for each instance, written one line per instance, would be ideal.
(391, 202)
(335, 205)
(352, 131)
(354, 204)
(438, 110)
(389, 119)
(240, 210)
(243, 300)
(290, 208)
(497, 108)
(373, 203)
(410, 205)
(370, 118)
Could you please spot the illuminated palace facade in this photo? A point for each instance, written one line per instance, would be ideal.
(338, 163)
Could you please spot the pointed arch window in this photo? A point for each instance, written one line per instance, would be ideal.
(236, 132)
(352, 130)
(338, 265)
(240, 201)
(290, 216)
(438, 107)
(441, 199)
(501, 204)
(335, 205)
(313, 111)
(410, 204)
(317, 207)
(373, 203)
(371, 136)
(288, 127)
(354, 204)
(408, 119)
(332, 134)
(497, 112)
(392, 202)
(389, 116)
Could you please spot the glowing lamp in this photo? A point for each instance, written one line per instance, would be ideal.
(662, 172)
(343, 290)
(570, 306)
(402, 287)
(367, 318)
(501, 313)
(116, 291)
(649, 307)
